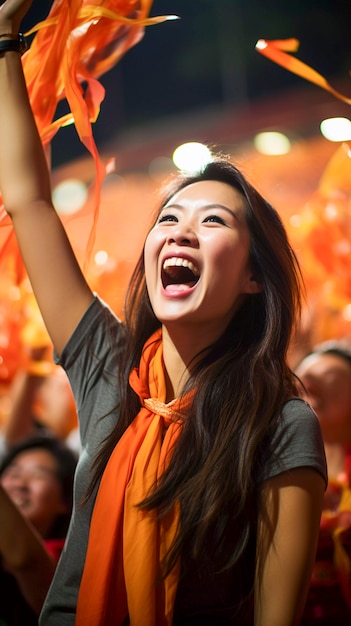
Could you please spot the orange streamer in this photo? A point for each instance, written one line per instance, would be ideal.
(79, 41)
(278, 51)
(323, 233)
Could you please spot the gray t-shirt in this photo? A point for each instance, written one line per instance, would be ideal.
(91, 360)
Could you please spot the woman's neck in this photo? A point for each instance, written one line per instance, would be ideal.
(179, 352)
(182, 345)
(176, 369)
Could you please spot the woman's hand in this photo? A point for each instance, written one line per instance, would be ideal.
(11, 14)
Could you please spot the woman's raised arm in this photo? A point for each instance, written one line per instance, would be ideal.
(59, 286)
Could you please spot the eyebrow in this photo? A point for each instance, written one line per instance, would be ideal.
(43, 468)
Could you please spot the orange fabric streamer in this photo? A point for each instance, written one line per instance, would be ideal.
(322, 235)
(126, 544)
(278, 51)
(79, 40)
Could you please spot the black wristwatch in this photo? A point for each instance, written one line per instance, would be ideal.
(13, 43)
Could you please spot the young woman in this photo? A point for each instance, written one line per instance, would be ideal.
(36, 493)
(200, 484)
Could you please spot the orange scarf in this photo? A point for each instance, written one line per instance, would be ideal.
(126, 545)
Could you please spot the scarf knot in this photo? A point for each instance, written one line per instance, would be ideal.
(166, 411)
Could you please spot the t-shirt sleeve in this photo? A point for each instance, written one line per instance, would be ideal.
(91, 360)
(298, 441)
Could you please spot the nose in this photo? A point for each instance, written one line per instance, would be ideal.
(183, 234)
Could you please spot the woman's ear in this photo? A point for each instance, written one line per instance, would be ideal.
(254, 286)
(250, 284)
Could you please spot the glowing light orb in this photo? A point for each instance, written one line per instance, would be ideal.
(336, 129)
(69, 196)
(191, 156)
(272, 143)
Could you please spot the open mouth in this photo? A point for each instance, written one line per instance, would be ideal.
(19, 501)
(180, 273)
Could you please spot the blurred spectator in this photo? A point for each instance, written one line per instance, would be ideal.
(36, 491)
(41, 401)
(326, 377)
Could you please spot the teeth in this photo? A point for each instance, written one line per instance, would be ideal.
(178, 262)
(19, 501)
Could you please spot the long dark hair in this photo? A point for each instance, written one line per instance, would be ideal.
(242, 382)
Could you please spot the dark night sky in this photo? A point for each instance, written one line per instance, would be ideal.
(208, 57)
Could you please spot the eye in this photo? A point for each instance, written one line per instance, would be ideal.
(12, 472)
(215, 218)
(167, 217)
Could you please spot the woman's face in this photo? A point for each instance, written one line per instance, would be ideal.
(197, 257)
(327, 379)
(32, 483)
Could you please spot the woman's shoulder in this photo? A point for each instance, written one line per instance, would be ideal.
(297, 441)
(99, 313)
(299, 425)
(295, 403)
(98, 330)
(296, 409)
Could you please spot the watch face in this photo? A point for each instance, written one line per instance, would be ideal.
(23, 46)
